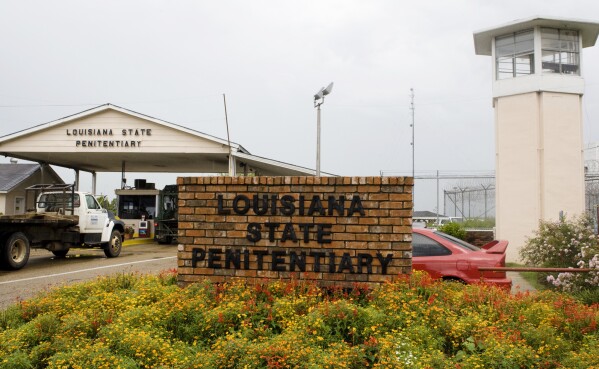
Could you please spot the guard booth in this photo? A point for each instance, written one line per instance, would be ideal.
(137, 205)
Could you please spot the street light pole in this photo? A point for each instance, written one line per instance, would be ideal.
(318, 139)
(319, 100)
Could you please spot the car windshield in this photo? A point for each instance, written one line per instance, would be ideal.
(458, 242)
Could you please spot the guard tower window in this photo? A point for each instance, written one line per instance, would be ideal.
(561, 52)
(514, 54)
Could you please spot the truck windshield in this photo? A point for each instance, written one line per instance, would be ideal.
(91, 202)
(55, 201)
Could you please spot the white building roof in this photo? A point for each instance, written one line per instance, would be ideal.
(109, 138)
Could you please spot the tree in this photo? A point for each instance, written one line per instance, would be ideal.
(108, 204)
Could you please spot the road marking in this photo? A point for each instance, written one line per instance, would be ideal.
(86, 270)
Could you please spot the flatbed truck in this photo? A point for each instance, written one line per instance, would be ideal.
(60, 219)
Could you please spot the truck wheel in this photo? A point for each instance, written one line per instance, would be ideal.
(113, 248)
(60, 253)
(15, 252)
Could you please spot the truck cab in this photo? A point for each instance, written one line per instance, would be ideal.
(92, 218)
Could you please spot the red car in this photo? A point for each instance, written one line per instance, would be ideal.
(449, 258)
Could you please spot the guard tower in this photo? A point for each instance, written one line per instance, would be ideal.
(537, 97)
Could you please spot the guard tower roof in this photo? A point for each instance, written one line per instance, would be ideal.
(588, 31)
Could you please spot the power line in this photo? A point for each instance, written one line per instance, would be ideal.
(47, 105)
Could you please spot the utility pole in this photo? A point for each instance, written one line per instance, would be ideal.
(413, 146)
(438, 198)
(231, 159)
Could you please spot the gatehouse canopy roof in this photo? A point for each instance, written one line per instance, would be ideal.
(109, 138)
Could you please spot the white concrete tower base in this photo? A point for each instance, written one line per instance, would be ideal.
(539, 162)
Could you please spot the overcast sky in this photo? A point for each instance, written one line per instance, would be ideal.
(173, 60)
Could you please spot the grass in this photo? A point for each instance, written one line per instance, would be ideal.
(588, 296)
(531, 277)
(480, 223)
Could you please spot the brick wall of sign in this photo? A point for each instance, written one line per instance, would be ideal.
(336, 230)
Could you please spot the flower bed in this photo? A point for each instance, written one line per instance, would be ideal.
(133, 321)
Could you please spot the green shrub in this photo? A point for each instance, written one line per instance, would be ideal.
(10, 318)
(413, 322)
(589, 296)
(16, 360)
(565, 244)
(454, 229)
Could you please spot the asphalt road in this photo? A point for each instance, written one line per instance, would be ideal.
(44, 271)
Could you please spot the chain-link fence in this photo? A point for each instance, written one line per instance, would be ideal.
(592, 196)
(463, 196)
(473, 199)
(459, 196)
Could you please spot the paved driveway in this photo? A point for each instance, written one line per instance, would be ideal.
(44, 271)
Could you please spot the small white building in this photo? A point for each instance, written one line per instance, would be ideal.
(15, 178)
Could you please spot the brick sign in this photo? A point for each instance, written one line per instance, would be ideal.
(336, 230)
